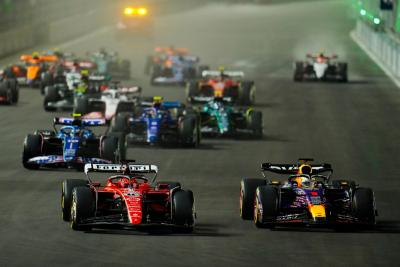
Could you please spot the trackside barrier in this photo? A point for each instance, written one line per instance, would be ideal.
(383, 48)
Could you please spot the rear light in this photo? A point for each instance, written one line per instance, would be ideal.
(314, 193)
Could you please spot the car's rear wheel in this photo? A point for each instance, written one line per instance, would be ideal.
(248, 188)
(51, 96)
(298, 72)
(189, 131)
(265, 206)
(247, 92)
(81, 105)
(191, 90)
(255, 123)
(183, 209)
(32, 148)
(363, 205)
(110, 149)
(82, 207)
(66, 196)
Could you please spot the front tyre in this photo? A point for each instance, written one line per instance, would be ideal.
(66, 196)
(265, 206)
(248, 188)
(82, 207)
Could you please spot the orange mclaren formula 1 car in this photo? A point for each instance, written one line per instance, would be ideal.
(308, 197)
(130, 197)
(35, 65)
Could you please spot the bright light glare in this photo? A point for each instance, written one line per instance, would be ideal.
(142, 11)
(377, 20)
(128, 11)
(363, 12)
(132, 11)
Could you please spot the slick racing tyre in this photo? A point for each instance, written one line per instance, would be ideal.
(298, 72)
(189, 131)
(191, 90)
(248, 188)
(122, 143)
(82, 207)
(247, 93)
(51, 96)
(255, 123)
(66, 196)
(110, 149)
(81, 105)
(119, 123)
(342, 71)
(12, 83)
(363, 205)
(183, 213)
(265, 206)
(32, 148)
(47, 80)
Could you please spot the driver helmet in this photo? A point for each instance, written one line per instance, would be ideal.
(35, 55)
(303, 181)
(157, 101)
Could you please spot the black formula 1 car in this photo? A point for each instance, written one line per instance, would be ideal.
(320, 68)
(308, 197)
(9, 90)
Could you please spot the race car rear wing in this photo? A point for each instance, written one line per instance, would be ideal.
(121, 168)
(294, 168)
(214, 73)
(79, 121)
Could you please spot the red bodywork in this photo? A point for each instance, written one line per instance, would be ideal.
(218, 85)
(138, 200)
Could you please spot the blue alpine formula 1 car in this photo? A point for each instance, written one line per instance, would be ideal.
(72, 145)
(220, 118)
(159, 123)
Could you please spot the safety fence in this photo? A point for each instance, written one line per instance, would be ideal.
(382, 46)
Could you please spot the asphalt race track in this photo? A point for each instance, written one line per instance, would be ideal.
(354, 126)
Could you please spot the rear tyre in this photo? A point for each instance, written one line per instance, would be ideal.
(189, 131)
(191, 90)
(298, 72)
(265, 206)
(255, 123)
(363, 205)
(81, 105)
(110, 149)
(119, 123)
(248, 188)
(66, 196)
(32, 148)
(51, 96)
(82, 207)
(14, 90)
(343, 72)
(122, 144)
(183, 209)
(247, 93)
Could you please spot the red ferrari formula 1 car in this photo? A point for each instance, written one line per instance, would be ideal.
(130, 198)
(228, 85)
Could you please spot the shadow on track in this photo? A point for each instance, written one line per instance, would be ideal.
(206, 230)
(382, 227)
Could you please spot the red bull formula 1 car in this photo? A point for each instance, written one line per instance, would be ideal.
(130, 198)
(308, 197)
